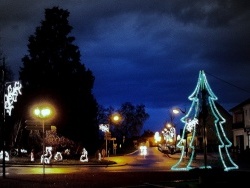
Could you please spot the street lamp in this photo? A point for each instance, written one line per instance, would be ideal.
(43, 113)
(114, 118)
(177, 111)
(169, 133)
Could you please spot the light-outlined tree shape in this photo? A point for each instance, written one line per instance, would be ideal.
(196, 126)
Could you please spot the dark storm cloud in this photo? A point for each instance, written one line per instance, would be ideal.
(146, 51)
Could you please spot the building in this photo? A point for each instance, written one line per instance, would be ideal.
(241, 125)
(211, 133)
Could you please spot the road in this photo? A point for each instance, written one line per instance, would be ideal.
(153, 161)
(134, 170)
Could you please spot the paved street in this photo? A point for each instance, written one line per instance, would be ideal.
(127, 179)
(131, 170)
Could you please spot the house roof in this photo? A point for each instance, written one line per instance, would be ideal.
(222, 109)
(240, 105)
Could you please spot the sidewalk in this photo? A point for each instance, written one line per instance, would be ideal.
(27, 162)
(213, 159)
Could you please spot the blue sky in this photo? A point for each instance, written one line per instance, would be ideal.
(146, 51)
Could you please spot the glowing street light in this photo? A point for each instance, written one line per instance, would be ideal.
(177, 111)
(115, 118)
(43, 113)
(169, 133)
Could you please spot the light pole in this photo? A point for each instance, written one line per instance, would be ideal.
(3, 126)
(204, 114)
(113, 118)
(169, 133)
(42, 113)
(177, 111)
(9, 98)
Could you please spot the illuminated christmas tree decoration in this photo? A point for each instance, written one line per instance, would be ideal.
(11, 96)
(196, 126)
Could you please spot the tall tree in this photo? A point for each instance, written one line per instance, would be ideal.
(52, 72)
(130, 124)
(133, 118)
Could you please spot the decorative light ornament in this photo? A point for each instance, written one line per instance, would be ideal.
(104, 127)
(157, 137)
(203, 99)
(11, 96)
(190, 124)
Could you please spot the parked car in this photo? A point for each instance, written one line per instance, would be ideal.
(15, 152)
(167, 149)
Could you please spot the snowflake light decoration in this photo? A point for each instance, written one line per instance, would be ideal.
(11, 96)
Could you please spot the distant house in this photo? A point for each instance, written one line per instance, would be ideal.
(241, 124)
(211, 133)
(227, 126)
(212, 137)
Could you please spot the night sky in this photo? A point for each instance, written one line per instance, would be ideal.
(146, 51)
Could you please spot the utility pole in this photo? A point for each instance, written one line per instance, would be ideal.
(7, 105)
(204, 117)
(3, 114)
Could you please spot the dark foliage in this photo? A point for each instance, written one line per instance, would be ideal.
(52, 73)
(132, 119)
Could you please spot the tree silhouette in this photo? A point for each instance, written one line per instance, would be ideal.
(133, 118)
(53, 73)
(197, 124)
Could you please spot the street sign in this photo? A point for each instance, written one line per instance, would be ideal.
(38, 127)
(107, 136)
(36, 122)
